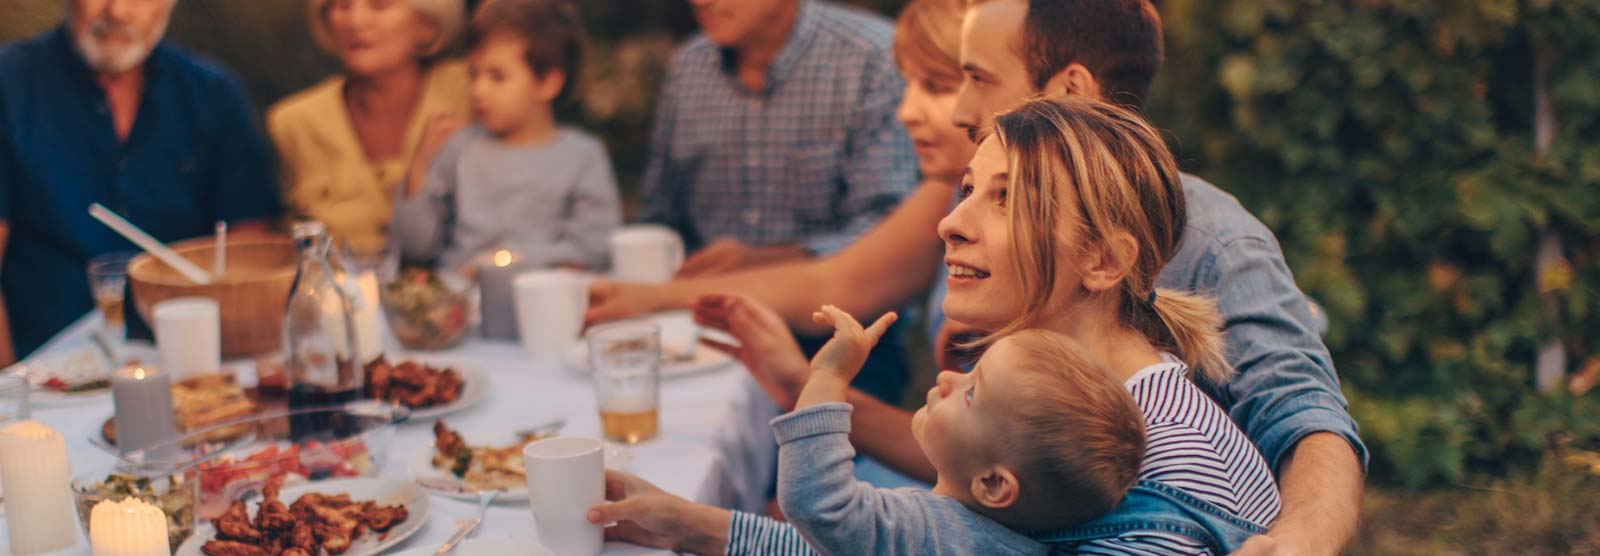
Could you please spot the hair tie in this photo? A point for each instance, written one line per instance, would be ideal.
(1151, 301)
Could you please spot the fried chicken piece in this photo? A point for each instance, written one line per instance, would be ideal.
(450, 384)
(303, 537)
(447, 441)
(295, 551)
(334, 540)
(234, 524)
(378, 374)
(272, 517)
(380, 519)
(232, 548)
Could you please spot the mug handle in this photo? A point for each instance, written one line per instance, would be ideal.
(677, 254)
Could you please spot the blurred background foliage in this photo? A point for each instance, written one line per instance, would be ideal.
(1391, 145)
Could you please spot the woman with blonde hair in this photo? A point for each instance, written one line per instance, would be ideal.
(1069, 210)
(345, 143)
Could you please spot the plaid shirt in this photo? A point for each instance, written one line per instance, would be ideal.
(815, 159)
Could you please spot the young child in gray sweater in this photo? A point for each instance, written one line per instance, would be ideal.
(513, 179)
(1037, 436)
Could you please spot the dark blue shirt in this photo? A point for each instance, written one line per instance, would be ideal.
(194, 156)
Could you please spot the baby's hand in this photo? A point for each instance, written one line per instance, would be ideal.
(844, 355)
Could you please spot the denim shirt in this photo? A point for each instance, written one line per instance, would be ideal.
(1286, 387)
(1151, 506)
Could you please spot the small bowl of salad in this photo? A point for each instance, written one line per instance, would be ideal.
(428, 309)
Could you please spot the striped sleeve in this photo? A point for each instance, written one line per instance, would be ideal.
(1143, 543)
(754, 535)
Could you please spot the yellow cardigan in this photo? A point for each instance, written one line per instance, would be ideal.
(326, 174)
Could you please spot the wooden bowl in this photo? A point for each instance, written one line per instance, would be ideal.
(250, 294)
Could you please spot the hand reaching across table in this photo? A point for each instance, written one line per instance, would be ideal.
(766, 346)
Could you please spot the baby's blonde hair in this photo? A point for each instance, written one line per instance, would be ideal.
(1112, 170)
(1075, 436)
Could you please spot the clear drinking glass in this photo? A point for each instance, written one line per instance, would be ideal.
(626, 358)
(108, 282)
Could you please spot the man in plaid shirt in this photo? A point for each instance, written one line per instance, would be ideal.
(775, 134)
(776, 139)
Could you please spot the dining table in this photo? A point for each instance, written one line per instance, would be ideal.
(714, 445)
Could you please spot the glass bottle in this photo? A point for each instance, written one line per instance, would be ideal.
(318, 330)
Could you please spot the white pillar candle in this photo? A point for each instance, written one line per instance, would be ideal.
(142, 400)
(128, 528)
(33, 466)
(495, 272)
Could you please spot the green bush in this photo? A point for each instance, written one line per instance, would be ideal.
(1390, 145)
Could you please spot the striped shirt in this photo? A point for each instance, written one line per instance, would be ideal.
(814, 159)
(1190, 445)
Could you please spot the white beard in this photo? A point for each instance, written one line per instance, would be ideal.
(120, 58)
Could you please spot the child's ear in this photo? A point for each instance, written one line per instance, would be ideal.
(549, 84)
(1109, 261)
(996, 488)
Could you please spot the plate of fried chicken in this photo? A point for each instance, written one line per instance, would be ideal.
(431, 389)
(352, 517)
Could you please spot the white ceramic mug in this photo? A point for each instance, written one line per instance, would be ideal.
(189, 335)
(566, 476)
(550, 306)
(646, 254)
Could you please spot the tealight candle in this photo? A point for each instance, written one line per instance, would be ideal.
(142, 400)
(128, 528)
(494, 284)
(33, 466)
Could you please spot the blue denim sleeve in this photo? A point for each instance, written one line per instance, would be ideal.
(246, 178)
(1286, 387)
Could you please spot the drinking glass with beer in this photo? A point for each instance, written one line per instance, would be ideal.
(108, 281)
(626, 358)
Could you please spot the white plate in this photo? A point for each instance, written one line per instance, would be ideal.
(677, 330)
(87, 362)
(705, 360)
(475, 384)
(487, 547)
(383, 491)
(421, 467)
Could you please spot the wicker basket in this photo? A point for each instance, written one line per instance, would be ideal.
(250, 295)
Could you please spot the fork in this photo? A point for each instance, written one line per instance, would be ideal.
(485, 497)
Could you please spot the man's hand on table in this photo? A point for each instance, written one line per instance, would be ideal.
(766, 346)
(648, 516)
(727, 255)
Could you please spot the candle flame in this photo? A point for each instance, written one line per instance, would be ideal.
(138, 373)
(502, 258)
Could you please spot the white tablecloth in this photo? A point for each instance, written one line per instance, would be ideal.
(714, 446)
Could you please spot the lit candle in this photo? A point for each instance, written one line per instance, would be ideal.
(142, 400)
(128, 528)
(33, 466)
(494, 285)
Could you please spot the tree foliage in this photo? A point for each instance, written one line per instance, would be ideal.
(1391, 146)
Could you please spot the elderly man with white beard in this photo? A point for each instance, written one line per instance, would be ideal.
(102, 110)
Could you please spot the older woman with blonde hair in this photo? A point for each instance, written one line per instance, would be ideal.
(346, 142)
